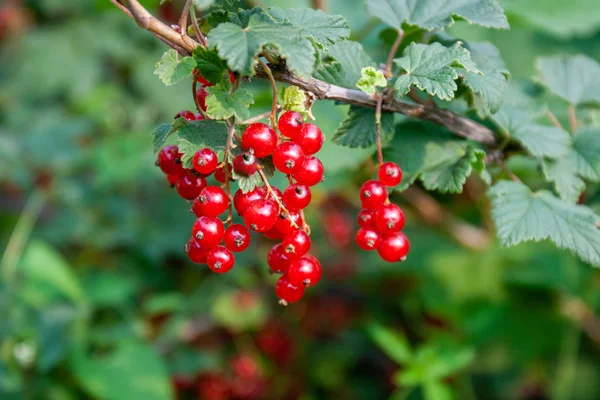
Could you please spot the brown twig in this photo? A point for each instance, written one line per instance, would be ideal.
(184, 17)
(553, 119)
(572, 118)
(269, 73)
(122, 8)
(390, 59)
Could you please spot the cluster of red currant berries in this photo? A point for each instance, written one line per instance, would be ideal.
(379, 220)
(265, 209)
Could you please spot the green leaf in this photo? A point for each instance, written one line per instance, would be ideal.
(200, 134)
(209, 64)
(240, 46)
(221, 104)
(342, 63)
(202, 5)
(248, 183)
(163, 131)
(434, 155)
(573, 78)
(521, 215)
(292, 98)
(491, 85)
(435, 14)
(173, 68)
(394, 344)
(325, 29)
(433, 68)
(132, 371)
(358, 129)
(369, 79)
(436, 390)
(581, 162)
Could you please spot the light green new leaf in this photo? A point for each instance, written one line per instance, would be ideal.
(435, 14)
(394, 344)
(358, 129)
(240, 46)
(433, 68)
(342, 63)
(574, 78)
(200, 134)
(292, 98)
(521, 215)
(221, 104)
(173, 68)
(325, 29)
(370, 78)
(163, 131)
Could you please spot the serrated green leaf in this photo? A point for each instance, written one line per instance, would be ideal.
(325, 29)
(433, 68)
(521, 215)
(341, 64)
(435, 14)
(292, 98)
(574, 78)
(394, 344)
(221, 104)
(370, 78)
(209, 64)
(163, 131)
(240, 46)
(200, 134)
(358, 129)
(173, 68)
(215, 18)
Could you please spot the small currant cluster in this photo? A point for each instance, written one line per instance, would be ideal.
(379, 220)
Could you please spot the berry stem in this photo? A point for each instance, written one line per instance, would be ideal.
(267, 70)
(305, 226)
(197, 31)
(230, 134)
(257, 118)
(378, 128)
(271, 193)
(390, 59)
(200, 110)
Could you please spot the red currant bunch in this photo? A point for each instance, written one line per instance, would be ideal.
(380, 222)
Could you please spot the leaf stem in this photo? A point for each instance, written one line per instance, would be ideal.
(199, 36)
(271, 193)
(390, 59)
(553, 119)
(572, 118)
(378, 128)
(184, 17)
(267, 70)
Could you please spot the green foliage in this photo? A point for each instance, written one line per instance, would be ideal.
(370, 79)
(222, 103)
(209, 64)
(358, 129)
(292, 98)
(572, 78)
(163, 131)
(173, 68)
(199, 134)
(342, 63)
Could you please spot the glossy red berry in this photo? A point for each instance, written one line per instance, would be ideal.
(189, 185)
(195, 252)
(259, 139)
(368, 238)
(275, 193)
(201, 98)
(220, 259)
(219, 173)
(373, 194)
(310, 138)
(394, 247)
(389, 218)
(304, 271)
(173, 179)
(237, 237)
(208, 231)
(211, 202)
(245, 164)
(296, 197)
(366, 218)
(287, 292)
(187, 115)
(296, 244)
(274, 233)
(169, 160)
(290, 124)
(288, 157)
(261, 215)
(310, 173)
(205, 161)
(277, 260)
(284, 223)
(389, 174)
(241, 200)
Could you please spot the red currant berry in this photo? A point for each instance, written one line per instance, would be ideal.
(290, 124)
(394, 247)
(277, 260)
(205, 161)
(187, 115)
(296, 244)
(273, 233)
(310, 173)
(389, 174)
(304, 271)
(198, 116)
(237, 237)
(189, 185)
(173, 179)
(389, 218)
(373, 194)
(211, 202)
(245, 164)
(284, 224)
(296, 197)
(288, 157)
(310, 138)
(195, 252)
(220, 259)
(241, 200)
(259, 139)
(201, 98)
(208, 231)
(200, 78)
(275, 193)
(169, 160)
(368, 238)
(261, 215)
(365, 218)
(287, 292)
(220, 173)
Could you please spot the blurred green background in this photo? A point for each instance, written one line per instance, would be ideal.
(98, 300)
